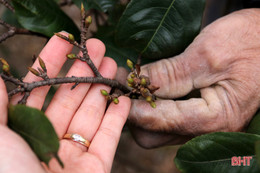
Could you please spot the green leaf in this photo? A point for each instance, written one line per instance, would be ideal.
(214, 152)
(254, 126)
(101, 5)
(115, 13)
(119, 54)
(44, 17)
(160, 28)
(36, 130)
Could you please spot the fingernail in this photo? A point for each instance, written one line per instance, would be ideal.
(64, 32)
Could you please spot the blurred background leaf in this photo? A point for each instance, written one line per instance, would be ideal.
(254, 126)
(213, 152)
(119, 54)
(44, 17)
(101, 5)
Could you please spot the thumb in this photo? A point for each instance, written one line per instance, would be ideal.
(172, 75)
(3, 103)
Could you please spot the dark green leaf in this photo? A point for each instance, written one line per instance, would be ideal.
(119, 54)
(160, 28)
(36, 130)
(9, 17)
(44, 17)
(101, 5)
(213, 152)
(254, 126)
(257, 151)
(116, 13)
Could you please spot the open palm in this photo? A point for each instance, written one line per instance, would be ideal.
(80, 111)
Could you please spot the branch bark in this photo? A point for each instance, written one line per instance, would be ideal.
(28, 87)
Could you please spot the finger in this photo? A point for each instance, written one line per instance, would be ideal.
(89, 115)
(3, 102)
(67, 101)
(54, 56)
(171, 75)
(195, 116)
(105, 141)
(121, 75)
(198, 67)
(152, 139)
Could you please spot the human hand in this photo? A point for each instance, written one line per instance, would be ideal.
(80, 111)
(223, 63)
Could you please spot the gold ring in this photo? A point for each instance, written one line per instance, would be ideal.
(77, 138)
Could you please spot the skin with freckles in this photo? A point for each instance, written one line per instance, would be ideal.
(223, 63)
(80, 111)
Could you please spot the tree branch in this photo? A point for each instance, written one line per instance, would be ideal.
(28, 87)
(12, 30)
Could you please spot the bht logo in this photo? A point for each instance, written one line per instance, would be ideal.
(238, 161)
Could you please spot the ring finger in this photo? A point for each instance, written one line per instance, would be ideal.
(87, 119)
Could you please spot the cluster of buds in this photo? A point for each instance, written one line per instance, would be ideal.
(140, 84)
(109, 97)
(88, 19)
(5, 66)
(41, 72)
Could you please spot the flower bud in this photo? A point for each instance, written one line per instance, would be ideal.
(88, 21)
(143, 81)
(132, 75)
(144, 90)
(82, 9)
(152, 104)
(42, 64)
(115, 100)
(33, 71)
(130, 64)
(149, 99)
(130, 85)
(130, 80)
(5, 67)
(71, 38)
(71, 56)
(104, 92)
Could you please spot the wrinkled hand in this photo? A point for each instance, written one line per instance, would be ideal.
(80, 111)
(223, 62)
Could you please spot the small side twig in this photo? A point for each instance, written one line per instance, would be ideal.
(24, 99)
(7, 5)
(12, 30)
(85, 22)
